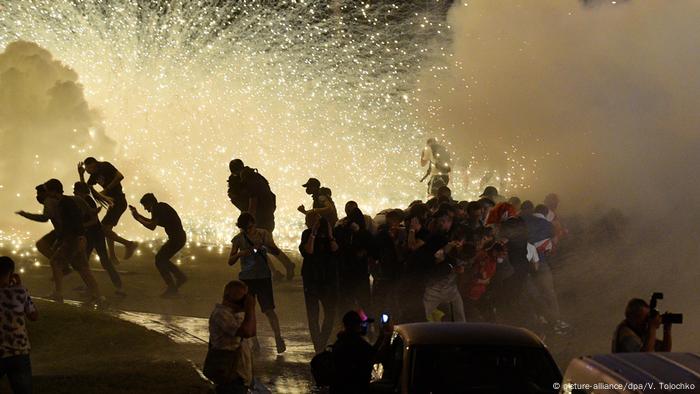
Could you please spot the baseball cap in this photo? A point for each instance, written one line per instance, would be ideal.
(312, 182)
(352, 318)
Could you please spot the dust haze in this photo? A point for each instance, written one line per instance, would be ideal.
(46, 125)
(600, 100)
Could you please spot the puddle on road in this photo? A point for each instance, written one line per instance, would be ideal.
(285, 373)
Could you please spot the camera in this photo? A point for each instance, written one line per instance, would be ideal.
(666, 318)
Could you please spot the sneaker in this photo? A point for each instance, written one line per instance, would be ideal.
(130, 249)
(98, 302)
(170, 292)
(281, 346)
(290, 271)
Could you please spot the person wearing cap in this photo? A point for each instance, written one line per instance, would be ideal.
(322, 202)
(250, 192)
(491, 193)
(354, 357)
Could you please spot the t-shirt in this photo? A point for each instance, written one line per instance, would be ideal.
(626, 340)
(70, 223)
(254, 266)
(165, 216)
(16, 305)
(103, 176)
(84, 208)
(223, 325)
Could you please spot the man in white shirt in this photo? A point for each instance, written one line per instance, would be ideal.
(231, 325)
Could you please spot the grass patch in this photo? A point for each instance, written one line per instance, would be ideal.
(77, 350)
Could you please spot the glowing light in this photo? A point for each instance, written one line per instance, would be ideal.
(296, 89)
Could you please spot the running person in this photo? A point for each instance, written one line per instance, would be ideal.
(96, 236)
(250, 192)
(70, 242)
(251, 245)
(165, 216)
(109, 178)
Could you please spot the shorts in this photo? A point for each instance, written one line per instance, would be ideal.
(71, 251)
(262, 290)
(115, 212)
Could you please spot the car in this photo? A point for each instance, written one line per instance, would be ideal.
(633, 373)
(466, 358)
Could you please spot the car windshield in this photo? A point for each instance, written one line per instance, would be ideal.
(469, 369)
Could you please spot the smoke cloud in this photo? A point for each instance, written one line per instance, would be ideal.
(596, 100)
(599, 99)
(46, 125)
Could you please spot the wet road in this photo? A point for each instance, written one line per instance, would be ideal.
(185, 319)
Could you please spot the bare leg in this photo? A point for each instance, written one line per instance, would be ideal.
(288, 264)
(113, 237)
(57, 271)
(275, 324)
(90, 282)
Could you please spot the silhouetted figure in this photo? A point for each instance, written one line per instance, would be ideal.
(110, 179)
(322, 202)
(353, 356)
(252, 245)
(250, 192)
(319, 272)
(437, 158)
(46, 243)
(165, 216)
(95, 235)
(71, 243)
(356, 248)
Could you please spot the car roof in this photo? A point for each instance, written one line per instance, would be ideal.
(648, 367)
(467, 334)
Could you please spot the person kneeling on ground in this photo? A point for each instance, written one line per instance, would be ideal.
(231, 325)
(14, 341)
(354, 357)
(637, 333)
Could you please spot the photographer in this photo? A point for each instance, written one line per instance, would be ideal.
(229, 362)
(637, 333)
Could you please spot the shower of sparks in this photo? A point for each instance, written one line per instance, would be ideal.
(297, 89)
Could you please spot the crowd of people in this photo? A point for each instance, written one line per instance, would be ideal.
(442, 259)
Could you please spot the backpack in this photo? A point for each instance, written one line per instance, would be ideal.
(323, 367)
